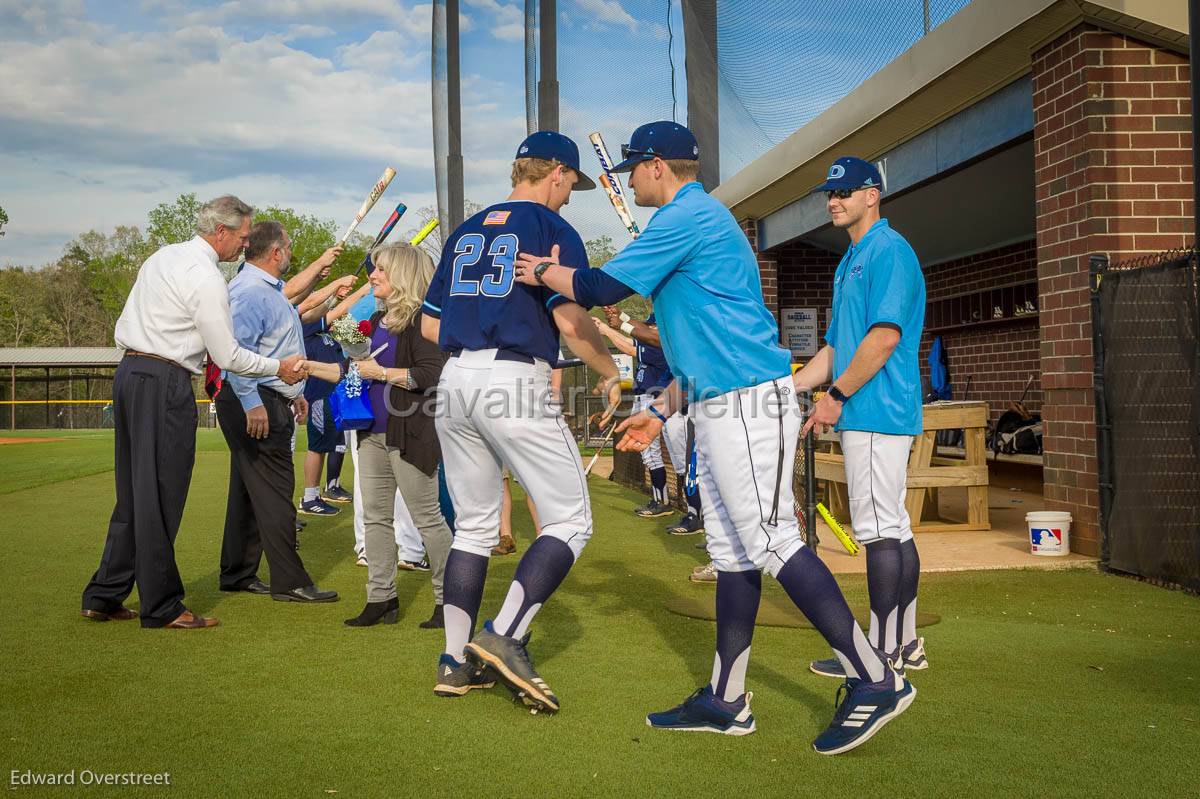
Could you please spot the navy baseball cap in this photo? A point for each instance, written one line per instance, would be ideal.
(549, 145)
(851, 173)
(667, 140)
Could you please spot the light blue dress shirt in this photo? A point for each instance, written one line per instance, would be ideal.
(263, 322)
(695, 262)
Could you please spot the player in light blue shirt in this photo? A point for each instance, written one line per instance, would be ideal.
(695, 263)
(874, 400)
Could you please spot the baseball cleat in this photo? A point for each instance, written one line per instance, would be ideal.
(653, 509)
(912, 655)
(864, 711)
(421, 565)
(318, 507)
(704, 712)
(704, 574)
(830, 667)
(509, 659)
(336, 493)
(457, 679)
(689, 524)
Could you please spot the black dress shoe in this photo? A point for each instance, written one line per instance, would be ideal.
(309, 593)
(435, 622)
(256, 586)
(386, 612)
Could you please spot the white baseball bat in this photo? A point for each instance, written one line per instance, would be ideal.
(612, 186)
(368, 203)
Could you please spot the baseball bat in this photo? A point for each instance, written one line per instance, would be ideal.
(383, 233)
(369, 203)
(849, 543)
(612, 428)
(612, 186)
(424, 232)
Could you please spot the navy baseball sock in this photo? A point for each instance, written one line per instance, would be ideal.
(539, 573)
(810, 585)
(462, 593)
(333, 469)
(883, 587)
(658, 485)
(693, 501)
(910, 575)
(737, 606)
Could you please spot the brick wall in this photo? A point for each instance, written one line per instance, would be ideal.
(1112, 156)
(767, 268)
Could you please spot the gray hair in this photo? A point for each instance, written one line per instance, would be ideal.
(228, 211)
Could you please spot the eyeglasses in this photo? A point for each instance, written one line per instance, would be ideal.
(626, 152)
(843, 194)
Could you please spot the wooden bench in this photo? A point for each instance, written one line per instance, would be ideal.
(928, 473)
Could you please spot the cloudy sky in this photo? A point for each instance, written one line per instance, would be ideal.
(109, 107)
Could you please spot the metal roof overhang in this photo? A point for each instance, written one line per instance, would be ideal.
(927, 115)
(60, 357)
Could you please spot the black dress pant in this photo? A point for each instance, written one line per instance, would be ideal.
(154, 415)
(261, 514)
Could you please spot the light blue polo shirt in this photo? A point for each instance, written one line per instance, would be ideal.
(879, 282)
(695, 263)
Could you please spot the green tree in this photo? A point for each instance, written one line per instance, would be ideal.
(312, 236)
(171, 223)
(110, 265)
(3, 221)
(599, 251)
(22, 307)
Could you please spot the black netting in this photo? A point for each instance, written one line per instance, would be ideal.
(1148, 333)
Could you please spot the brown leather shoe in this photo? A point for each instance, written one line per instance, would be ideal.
(190, 621)
(122, 613)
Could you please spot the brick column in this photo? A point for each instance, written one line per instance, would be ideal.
(1112, 158)
(768, 269)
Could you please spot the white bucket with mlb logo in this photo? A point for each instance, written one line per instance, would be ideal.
(1049, 533)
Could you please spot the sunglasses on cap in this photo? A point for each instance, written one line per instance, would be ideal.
(626, 152)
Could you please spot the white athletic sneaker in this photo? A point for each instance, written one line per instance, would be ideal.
(704, 574)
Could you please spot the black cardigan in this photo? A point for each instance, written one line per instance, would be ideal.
(410, 426)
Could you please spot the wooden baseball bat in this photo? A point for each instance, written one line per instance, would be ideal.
(369, 203)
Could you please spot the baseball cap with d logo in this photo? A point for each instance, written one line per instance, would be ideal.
(851, 173)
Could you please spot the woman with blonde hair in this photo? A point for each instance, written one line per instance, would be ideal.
(400, 449)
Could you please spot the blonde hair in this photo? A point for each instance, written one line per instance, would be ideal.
(531, 170)
(684, 169)
(409, 269)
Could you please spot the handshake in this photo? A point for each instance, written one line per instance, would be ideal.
(292, 369)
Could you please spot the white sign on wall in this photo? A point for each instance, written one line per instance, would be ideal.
(799, 329)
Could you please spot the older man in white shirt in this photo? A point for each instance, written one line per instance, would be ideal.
(178, 309)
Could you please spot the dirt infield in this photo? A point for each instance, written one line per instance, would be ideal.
(28, 440)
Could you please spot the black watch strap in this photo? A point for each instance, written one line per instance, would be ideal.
(540, 270)
(837, 394)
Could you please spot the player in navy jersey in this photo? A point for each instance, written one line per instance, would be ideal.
(496, 410)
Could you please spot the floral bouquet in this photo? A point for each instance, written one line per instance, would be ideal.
(353, 336)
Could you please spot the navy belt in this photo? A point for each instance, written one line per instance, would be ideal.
(503, 355)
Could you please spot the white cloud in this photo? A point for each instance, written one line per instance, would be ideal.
(606, 12)
(382, 53)
(506, 22)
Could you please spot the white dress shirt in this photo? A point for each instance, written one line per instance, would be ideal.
(179, 309)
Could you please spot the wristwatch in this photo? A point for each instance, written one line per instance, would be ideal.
(836, 393)
(540, 270)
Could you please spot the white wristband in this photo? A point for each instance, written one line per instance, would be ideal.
(627, 328)
(624, 316)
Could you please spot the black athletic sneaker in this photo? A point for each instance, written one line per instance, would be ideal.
(457, 679)
(335, 493)
(508, 658)
(653, 509)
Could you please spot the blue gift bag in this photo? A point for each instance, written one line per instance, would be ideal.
(350, 404)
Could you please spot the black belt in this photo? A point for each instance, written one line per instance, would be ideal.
(503, 355)
(136, 354)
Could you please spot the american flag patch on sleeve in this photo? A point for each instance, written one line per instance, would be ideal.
(496, 218)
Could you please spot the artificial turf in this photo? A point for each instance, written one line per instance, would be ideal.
(1059, 683)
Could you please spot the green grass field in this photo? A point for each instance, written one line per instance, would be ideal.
(1066, 683)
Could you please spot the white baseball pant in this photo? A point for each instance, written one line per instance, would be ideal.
(494, 412)
(746, 447)
(675, 434)
(876, 468)
(651, 455)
